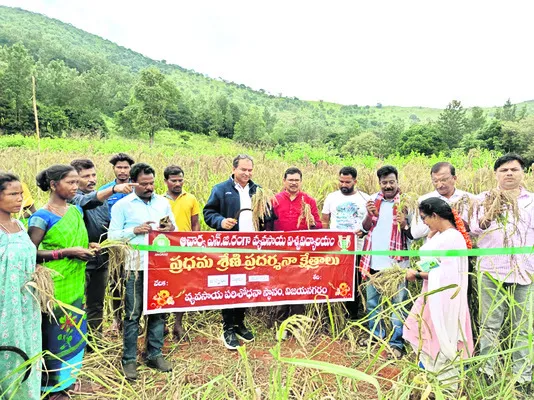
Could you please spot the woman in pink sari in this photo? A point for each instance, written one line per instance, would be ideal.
(439, 325)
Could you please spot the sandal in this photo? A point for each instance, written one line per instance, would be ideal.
(366, 341)
(396, 353)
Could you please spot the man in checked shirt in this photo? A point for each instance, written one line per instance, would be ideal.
(507, 276)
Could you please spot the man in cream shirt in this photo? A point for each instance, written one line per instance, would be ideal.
(444, 178)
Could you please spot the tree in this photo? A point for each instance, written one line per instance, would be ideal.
(508, 111)
(250, 128)
(153, 94)
(391, 134)
(423, 139)
(269, 118)
(452, 123)
(15, 87)
(491, 135)
(366, 143)
(477, 119)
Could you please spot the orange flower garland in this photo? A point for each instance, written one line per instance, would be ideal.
(460, 226)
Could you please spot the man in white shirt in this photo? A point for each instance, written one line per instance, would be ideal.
(443, 175)
(132, 218)
(388, 229)
(344, 210)
(224, 212)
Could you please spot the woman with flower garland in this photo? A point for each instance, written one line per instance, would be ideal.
(58, 231)
(439, 325)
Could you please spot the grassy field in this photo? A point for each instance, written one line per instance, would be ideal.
(323, 361)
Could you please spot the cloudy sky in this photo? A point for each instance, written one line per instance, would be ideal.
(397, 52)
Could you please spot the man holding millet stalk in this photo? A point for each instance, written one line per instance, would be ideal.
(506, 219)
(387, 228)
(295, 211)
(229, 208)
(443, 176)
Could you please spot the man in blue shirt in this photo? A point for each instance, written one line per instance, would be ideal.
(122, 163)
(96, 218)
(132, 219)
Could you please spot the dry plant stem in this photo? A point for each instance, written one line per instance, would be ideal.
(387, 281)
(119, 253)
(262, 204)
(501, 206)
(306, 215)
(43, 283)
(465, 206)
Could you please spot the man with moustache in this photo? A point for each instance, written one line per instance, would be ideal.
(132, 219)
(502, 277)
(344, 210)
(288, 210)
(443, 175)
(220, 212)
(387, 228)
(186, 209)
(122, 163)
(96, 218)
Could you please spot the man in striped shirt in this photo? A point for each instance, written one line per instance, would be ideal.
(507, 277)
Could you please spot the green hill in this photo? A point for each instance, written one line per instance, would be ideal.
(87, 83)
(49, 39)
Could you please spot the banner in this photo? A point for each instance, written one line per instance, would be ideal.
(267, 269)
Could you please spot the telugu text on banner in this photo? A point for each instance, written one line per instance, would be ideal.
(214, 270)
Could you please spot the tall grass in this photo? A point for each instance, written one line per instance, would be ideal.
(324, 359)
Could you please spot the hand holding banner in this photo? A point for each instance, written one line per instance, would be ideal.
(278, 268)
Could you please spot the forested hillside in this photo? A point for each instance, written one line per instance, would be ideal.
(89, 85)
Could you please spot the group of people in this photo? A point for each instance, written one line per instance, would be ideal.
(65, 235)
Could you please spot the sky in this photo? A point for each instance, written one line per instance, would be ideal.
(394, 52)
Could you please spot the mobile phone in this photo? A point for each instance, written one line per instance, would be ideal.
(164, 222)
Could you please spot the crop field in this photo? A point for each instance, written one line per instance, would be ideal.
(323, 360)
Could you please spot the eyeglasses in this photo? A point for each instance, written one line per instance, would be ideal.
(442, 180)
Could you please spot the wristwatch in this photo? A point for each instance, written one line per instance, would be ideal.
(418, 275)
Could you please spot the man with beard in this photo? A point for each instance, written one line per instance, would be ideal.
(221, 212)
(185, 208)
(96, 218)
(122, 163)
(288, 208)
(132, 219)
(344, 210)
(388, 229)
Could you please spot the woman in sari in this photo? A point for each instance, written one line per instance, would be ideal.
(439, 325)
(59, 233)
(20, 315)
